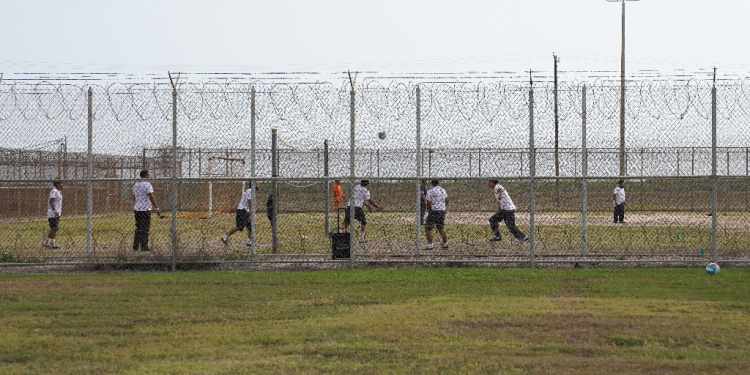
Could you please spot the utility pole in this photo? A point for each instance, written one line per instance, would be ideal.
(622, 91)
(557, 143)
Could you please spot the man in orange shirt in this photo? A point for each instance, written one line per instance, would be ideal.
(338, 196)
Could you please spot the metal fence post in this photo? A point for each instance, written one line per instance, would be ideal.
(429, 162)
(377, 159)
(351, 175)
(692, 161)
(90, 168)
(532, 170)
(328, 187)
(584, 174)
(253, 202)
(417, 210)
(275, 191)
(479, 161)
(174, 176)
(713, 173)
(728, 163)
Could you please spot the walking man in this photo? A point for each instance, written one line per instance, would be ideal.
(619, 200)
(361, 198)
(506, 211)
(242, 217)
(54, 210)
(143, 193)
(437, 203)
(338, 196)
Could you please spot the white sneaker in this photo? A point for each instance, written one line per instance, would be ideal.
(444, 246)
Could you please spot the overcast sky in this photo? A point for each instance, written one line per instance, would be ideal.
(149, 36)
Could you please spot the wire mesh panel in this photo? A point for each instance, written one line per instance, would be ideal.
(732, 221)
(29, 221)
(204, 144)
(558, 219)
(664, 218)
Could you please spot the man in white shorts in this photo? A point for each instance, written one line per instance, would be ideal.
(54, 210)
(436, 201)
(506, 211)
(361, 198)
(618, 197)
(143, 193)
(242, 218)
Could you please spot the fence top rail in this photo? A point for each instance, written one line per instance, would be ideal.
(431, 149)
(373, 178)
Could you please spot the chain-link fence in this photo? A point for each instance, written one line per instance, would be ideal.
(206, 145)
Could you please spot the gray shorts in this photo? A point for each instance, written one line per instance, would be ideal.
(359, 215)
(241, 219)
(435, 219)
(54, 222)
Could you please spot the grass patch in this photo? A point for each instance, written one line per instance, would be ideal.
(379, 320)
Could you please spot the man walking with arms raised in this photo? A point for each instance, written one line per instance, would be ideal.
(361, 198)
(506, 211)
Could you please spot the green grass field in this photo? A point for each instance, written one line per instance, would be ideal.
(375, 321)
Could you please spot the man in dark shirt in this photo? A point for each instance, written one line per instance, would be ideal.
(422, 204)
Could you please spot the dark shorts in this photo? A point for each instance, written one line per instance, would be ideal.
(435, 219)
(359, 215)
(54, 222)
(241, 219)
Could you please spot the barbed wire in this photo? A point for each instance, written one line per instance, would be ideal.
(381, 105)
(205, 99)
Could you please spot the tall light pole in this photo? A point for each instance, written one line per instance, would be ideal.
(622, 90)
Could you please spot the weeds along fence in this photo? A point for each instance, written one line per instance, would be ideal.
(555, 150)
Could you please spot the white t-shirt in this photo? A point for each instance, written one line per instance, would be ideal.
(437, 196)
(619, 195)
(57, 196)
(141, 189)
(361, 194)
(505, 202)
(248, 194)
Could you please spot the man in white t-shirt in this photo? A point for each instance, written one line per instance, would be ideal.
(506, 211)
(54, 210)
(361, 198)
(143, 193)
(242, 218)
(618, 198)
(436, 201)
